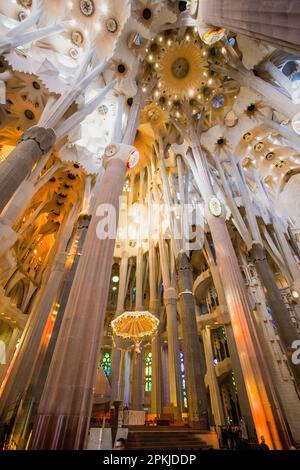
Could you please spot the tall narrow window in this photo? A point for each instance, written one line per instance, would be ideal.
(105, 363)
(182, 369)
(148, 372)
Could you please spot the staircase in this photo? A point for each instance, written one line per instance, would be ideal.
(166, 438)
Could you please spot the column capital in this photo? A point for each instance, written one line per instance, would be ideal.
(117, 152)
(183, 262)
(258, 252)
(170, 296)
(44, 137)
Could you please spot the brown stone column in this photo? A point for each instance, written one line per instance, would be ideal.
(35, 142)
(274, 21)
(285, 327)
(65, 408)
(194, 361)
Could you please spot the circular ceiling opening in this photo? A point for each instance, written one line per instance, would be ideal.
(180, 68)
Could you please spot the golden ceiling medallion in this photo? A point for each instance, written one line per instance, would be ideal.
(77, 38)
(180, 69)
(87, 7)
(111, 25)
(215, 207)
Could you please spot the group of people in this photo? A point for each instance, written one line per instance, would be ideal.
(232, 438)
(229, 437)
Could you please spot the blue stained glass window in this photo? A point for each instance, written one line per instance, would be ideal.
(185, 401)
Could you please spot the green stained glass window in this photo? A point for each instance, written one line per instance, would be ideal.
(105, 363)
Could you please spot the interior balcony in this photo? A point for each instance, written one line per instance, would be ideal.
(222, 370)
(10, 314)
(201, 285)
(213, 319)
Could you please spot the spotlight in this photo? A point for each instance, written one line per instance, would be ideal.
(295, 295)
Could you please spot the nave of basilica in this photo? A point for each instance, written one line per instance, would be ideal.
(149, 224)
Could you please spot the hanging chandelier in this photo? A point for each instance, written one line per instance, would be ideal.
(135, 326)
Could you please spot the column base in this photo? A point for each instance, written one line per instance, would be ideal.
(60, 432)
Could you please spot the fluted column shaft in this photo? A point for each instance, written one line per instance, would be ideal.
(215, 395)
(276, 22)
(284, 324)
(34, 388)
(195, 387)
(35, 142)
(137, 386)
(117, 371)
(139, 280)
(66, 403)
(285, 327)
(256, 377)
(238, 373)
(154, 308)
(170, 302)
(9, 353)
(32, 335)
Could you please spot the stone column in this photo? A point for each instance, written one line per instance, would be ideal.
(116, 368)
(170, 302)
(195, 387)
(284, 324)
(233, 351)
(9, 353)
(215, 395)
(257, 380)
(121, 381)
(157, 382)
(65, 408)
(137, 384)
(32, 335)
(35, 142)
(275, 22)
(285, 327)
(40, 367)
(126, 378)
(139, 302)
(154, 308)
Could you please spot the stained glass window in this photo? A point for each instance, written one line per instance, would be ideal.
(182, 369)
(148, 372)
(105, 363)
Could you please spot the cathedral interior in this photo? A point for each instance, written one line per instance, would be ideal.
(149, 224)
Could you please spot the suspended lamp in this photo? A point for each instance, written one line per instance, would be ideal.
(135, 326)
